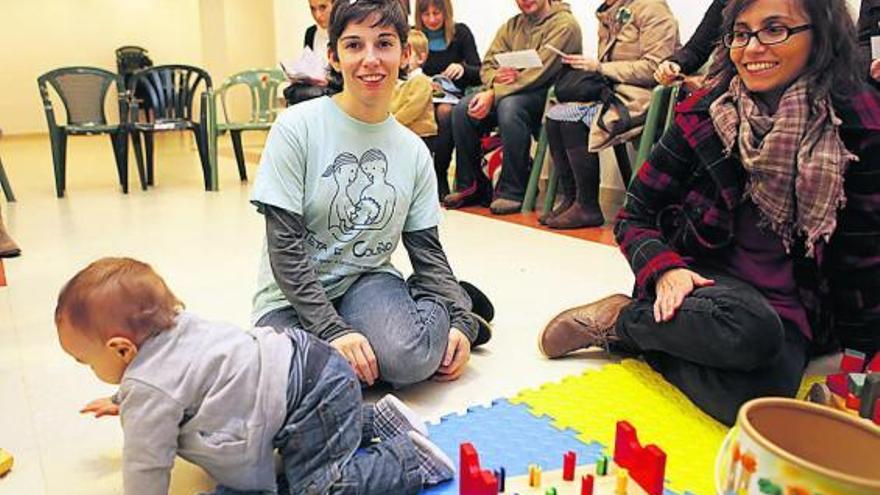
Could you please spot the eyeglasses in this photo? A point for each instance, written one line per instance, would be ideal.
(770, 35)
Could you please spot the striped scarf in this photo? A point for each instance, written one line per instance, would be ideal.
(795, 159)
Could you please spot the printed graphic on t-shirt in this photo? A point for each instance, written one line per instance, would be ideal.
(364, 199)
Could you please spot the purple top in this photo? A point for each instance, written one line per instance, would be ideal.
(760, 258)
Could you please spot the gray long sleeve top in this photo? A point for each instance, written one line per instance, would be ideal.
(298, 280)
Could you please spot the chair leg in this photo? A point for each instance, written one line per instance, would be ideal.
(62, 148)
(4, 183)
(139, 158)
(118, 140)
(148, 144)
(535, 174)
(202, 144)
(239, 154)
(550, 196)
(623, 164)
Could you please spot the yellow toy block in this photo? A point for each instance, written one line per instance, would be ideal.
(6, 461)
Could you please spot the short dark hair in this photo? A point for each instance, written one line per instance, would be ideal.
(347, 11)
(835, 62)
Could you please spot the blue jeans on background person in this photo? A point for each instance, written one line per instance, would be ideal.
(320, 440)
(408, 336)
(518, 117)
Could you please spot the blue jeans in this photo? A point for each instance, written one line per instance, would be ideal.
(518, 117)
(408, 336)
(326, 444)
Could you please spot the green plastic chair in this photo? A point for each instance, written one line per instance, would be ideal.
(263, 85)
(4, 183)
(83, 91)
(660, 110)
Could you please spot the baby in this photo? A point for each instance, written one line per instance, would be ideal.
(226, 398)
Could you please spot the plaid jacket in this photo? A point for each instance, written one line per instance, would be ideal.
(680, 209)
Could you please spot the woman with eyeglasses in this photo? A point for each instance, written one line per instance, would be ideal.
(753, 228)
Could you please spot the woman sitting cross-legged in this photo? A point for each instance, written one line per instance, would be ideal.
(754, 226)
(341, 183)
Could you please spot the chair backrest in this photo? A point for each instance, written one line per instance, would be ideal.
(130, 59)
(83, 91)
(263, 86)
(660, 114)
(169, 90)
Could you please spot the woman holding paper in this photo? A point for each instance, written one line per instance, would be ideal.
(452, 53)
(316, 40)
(634, 36)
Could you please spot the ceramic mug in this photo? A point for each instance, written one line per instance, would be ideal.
(788, 447)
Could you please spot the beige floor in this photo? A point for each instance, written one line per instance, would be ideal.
(206, 246)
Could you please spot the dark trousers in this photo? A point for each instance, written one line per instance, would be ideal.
(442, 146)
(517, 116)
(725, 346)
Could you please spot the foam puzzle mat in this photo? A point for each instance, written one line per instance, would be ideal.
(580, 413)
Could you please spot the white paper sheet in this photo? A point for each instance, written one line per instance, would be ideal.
(522, 59)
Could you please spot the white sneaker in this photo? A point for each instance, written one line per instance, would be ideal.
(434, 466)
(393, 418)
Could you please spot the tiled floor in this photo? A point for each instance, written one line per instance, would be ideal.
(206, 246)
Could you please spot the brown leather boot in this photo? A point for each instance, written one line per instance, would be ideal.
(581, 327)
(8, 247)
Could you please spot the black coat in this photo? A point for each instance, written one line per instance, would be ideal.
(696, 52)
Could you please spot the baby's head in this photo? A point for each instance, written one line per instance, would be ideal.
(418, 43)
(108, 309)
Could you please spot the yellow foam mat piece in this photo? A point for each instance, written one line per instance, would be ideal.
(593, 402)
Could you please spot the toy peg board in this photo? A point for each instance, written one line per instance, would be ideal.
(602, 485)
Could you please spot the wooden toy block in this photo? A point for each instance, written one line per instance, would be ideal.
(569, 461)
(869, 396)
(876, 418)
(602, 466)
(874, 365)
(622, 480)
(500, 475)
(837, 383)
(6, 461)
(646, 465)
(855, 382)
(852, 361)
(472, 479)
(587, 482)
(852, 402)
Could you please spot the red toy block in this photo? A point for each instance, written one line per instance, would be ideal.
(852, 361)
(646, 465)
(874, 365)
(587, 484)
(853, 402)
(569, 460)
(837, 384)
(876, 417)
(472, 479)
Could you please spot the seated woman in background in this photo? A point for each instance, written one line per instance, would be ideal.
(695, 53)
(634, 36)
(316, 39)
(452, 52)
(753, 228)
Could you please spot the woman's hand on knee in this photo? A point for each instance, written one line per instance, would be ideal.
(672, 287)
(458, 353)
(356, 349)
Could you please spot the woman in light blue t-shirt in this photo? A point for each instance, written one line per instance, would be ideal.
(340, 184)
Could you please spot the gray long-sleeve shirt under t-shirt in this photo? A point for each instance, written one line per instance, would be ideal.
(297, 279)
(212, 393)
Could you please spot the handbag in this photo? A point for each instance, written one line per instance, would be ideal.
(575, 85)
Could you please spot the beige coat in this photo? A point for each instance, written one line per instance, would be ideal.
(634, 37)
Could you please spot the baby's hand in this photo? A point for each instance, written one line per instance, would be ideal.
(101, 407)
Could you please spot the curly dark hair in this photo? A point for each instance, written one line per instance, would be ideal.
(835, 61)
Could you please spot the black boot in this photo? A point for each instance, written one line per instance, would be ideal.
(483, 312)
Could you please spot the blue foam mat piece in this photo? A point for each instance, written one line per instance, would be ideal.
(508, 435)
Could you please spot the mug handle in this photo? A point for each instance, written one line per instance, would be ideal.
(719, 458)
